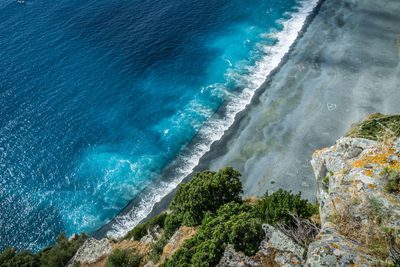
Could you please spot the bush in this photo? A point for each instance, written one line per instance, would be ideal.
(57, 255)
(232, 224)
(207, 191)
(124, 258)
(172, 223)
(157, 249)
(23, 258)
(280, 205)
(141, 230)
(392, 176)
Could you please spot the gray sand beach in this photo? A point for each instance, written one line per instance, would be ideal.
(344, 67)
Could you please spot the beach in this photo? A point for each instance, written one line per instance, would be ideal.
(344, 65)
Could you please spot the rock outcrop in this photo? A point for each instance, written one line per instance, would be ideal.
(359, 215)
(356, 211)
(91, 251)
(276, 249)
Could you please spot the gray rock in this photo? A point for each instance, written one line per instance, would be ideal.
(286, 252)
(91, 251)
(153, 235)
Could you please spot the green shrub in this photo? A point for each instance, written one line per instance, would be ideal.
(141, 230)
(57, 255)
(392, 176)
(23, 258)
(232, 224)
(207, 191)
(157, 249)
(62, 252)
(172, 223)
(279, 205)
(326, 183)
(124, 258)
(137, 233)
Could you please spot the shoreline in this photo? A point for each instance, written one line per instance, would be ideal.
(217, 148)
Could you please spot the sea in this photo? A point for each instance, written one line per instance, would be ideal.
(99, 97)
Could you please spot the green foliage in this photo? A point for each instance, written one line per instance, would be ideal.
(172, 223)
(62, 252)
(23, 258)
(124, 258)
(207, 191)
(326, 183)
(157, 249)
(233, 223)
(7, 255)
(375, 210)
(141, 230)
(375, 126)
(392, 176)
(57, 255)
(279, 206)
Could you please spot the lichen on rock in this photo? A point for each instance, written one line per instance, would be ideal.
(358, 215)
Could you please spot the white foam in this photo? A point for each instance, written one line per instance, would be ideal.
(214, 129)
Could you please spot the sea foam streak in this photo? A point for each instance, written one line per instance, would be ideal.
(214, 128)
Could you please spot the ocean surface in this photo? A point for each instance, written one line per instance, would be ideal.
(97, 98)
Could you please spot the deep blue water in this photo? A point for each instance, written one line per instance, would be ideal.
(97, 97)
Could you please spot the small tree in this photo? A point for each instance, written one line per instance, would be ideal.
(280, 205)
(124, 258)
(207, 191)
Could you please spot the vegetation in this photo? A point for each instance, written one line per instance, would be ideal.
(57, 255)
(124, 258)
(172, 223)
(281, 205)
(207, 191)
(233, 224)
(210, 199)
(141, 230)
(157, 249)
(240, 225)
(326, 183)
(374, 238)
(392, 176)
(377, 127)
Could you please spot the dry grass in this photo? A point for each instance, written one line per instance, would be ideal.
(386, 141)
(183, 234)
(371, 235)
(252, 201)
(303, 232)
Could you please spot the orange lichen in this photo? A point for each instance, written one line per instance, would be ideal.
(167, 248)
(336, 246)
(368, 172)
(317, 151)
(372, 186)
(371, 158)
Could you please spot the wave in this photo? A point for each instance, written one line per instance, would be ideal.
(214, 128)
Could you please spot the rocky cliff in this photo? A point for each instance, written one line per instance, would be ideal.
(358, 193)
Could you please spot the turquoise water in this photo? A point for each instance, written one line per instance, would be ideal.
(98, 97)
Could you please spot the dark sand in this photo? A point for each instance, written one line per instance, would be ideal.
(344, 66)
